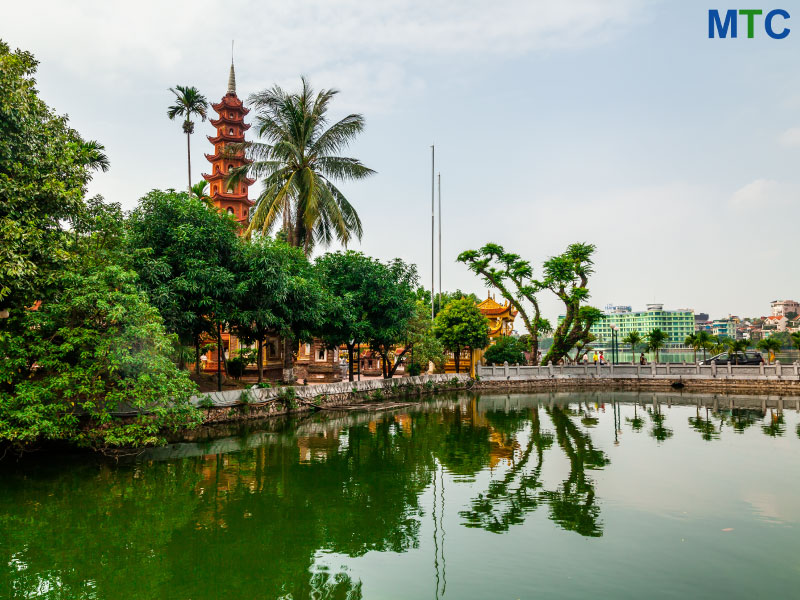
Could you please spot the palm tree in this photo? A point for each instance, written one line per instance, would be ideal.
(633, 338)
(770, 345)
(736, 346)
(189, 102)
(692, 342)
(656, 340)
(704, 341)
(795, 337)
(299, 163)
(93, 155)
(200, 191)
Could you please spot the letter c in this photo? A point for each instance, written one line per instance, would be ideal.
(778, 12)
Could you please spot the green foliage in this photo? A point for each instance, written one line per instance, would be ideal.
(414, 369)
(94, 350)
(769, 345)
(634, 338)
(206, 402)
(656, 340)
(505, 349)
(236, 367)
(737, 346)
(459, 325)
(44, 167)
(513, 276)
(377, 304)
(298, 164)
(184, 253)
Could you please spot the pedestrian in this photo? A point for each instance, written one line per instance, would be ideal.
(642, 359)
(602, 358)
(594, 357)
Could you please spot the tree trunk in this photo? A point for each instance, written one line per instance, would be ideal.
(457, 356)
(398, 360)
(260, 360)
(350, 351)
(189, 159)
(197, 355)
(220, 354)
(288, 363)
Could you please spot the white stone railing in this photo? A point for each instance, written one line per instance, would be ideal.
(508, 372)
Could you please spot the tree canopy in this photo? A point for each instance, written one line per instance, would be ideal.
(459, 325)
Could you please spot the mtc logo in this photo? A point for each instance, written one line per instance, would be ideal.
(729, 25)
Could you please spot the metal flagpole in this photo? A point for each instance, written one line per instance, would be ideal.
(433, 225)
(440, 241)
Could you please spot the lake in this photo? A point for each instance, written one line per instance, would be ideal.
(569, 495)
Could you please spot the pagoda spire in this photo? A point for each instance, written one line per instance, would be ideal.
(232, 76)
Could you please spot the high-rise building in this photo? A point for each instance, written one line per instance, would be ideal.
(677, 324)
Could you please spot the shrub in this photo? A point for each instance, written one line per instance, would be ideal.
(236, 367)
(414, 369)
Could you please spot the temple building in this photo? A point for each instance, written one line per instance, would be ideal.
(501, 322)
(234, 200)
(230, 125)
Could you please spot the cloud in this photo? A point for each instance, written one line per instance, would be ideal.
(790, 137)
(764, 194)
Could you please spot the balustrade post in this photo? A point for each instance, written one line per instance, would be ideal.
(761, 369)
(778, 369)
(505, 369)
(713, 368)
(550, 367)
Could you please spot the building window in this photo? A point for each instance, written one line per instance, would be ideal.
(230, 168)
(231, 131)
(322, 355)
(230, 211)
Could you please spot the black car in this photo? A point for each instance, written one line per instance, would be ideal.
(740, 358)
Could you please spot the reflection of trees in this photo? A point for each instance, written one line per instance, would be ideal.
(704, 426)
(776, 426)
(572, 504)
(659, 431)
(636, 422)
(508, 500)
(742, 418)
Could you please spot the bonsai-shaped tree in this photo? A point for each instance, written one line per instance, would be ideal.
(505, 349)
(461, 325)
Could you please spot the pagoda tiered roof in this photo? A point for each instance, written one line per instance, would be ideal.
(230, 101)
(223, 120)
(226, 137)
(237, 197)
(491, 307)
(219, 175)
(222, 156)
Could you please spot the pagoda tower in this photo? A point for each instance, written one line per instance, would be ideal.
(230, 125)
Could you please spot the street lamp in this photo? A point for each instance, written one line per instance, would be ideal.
(614, 344)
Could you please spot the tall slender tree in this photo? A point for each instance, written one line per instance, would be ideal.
(656, 340)
(633, 338)
(299, 165)
(189, 102)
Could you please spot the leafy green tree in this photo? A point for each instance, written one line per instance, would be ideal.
(44, 168)
(656, 340)
(513, 276)
(795, 337)
(95, 349)
(505, 349)
(184, 251)
(461, 325)
(769, 345)
(634, 339)
(425, 347)
(189, 102)
(692, 342)
(737, 346)
(299, 166)
(275, 293)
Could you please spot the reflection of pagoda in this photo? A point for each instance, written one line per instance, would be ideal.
(230, 129)
(501, 322)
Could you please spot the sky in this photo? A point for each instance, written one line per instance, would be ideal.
(618, 123)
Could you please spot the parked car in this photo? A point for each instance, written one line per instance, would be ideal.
(740, 358)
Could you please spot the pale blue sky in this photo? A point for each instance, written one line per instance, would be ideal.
(618, 123)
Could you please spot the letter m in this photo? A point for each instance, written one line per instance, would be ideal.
(715, 23)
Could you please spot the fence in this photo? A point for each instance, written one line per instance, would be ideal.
(670, 371)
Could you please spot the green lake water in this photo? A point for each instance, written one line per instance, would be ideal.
(574, 495)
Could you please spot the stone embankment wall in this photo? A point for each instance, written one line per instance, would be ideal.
(254, 403)
(768, 379)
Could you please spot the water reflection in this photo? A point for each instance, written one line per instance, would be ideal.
(260, 520)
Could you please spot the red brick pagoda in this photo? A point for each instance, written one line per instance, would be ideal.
(230, 125)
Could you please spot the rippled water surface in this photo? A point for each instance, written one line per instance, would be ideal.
(523, 496)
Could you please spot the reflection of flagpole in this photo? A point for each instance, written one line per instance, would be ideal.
(441, 517)
(435, 531)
